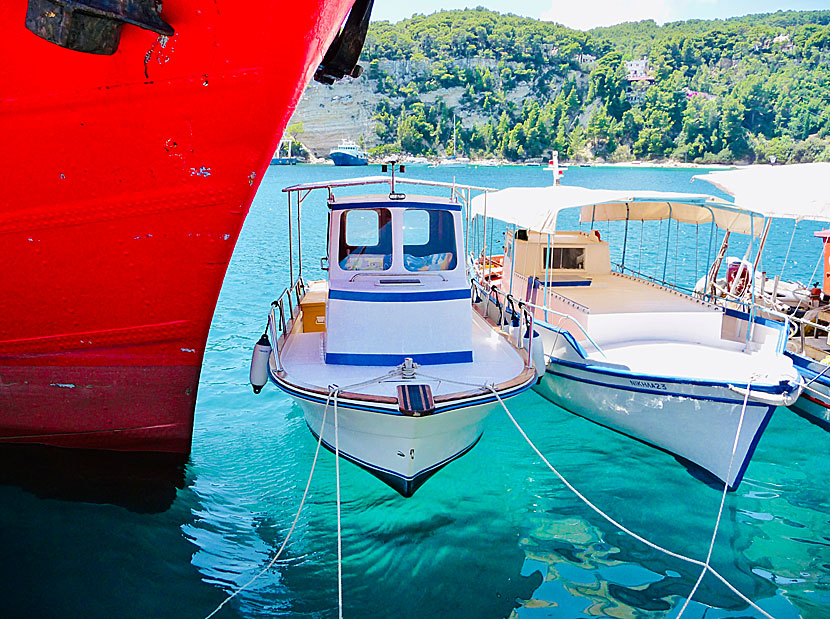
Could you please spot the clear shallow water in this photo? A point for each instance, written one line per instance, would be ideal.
(494, 534)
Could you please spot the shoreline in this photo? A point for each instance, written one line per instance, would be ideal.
(645, 164)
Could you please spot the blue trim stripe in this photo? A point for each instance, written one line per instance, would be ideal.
(427, 206)
(767, 322)
(580, 282)
(427, 358)
(594, 369)
(652, 391)
(401, 297)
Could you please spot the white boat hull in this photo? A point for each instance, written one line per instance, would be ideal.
(401, 450)
(697, 422)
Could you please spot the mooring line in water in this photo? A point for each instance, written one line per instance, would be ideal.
(722, 502)
(335, 391)
(622, 528)
(293, 524)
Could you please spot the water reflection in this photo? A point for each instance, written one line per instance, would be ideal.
(144, 483)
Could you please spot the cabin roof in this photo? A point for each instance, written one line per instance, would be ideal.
(386, 200)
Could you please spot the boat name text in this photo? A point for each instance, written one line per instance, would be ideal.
(644, 384)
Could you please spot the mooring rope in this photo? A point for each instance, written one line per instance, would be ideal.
(722, 501)
(334, 394)
(622, 528)
(816, 377)
(293, 524)
(334, 390)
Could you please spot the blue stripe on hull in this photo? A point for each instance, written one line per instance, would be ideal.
(429, 358)
(400, 297)
(645, 378)
(627, 374)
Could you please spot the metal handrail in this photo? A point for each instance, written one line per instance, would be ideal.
(523, 305)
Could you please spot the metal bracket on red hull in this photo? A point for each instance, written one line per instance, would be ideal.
(341, 58)
(92, 26)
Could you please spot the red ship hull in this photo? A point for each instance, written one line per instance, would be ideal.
(126, 180)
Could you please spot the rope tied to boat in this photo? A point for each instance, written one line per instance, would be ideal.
(705, 565)
(722, 501)
(332, 393)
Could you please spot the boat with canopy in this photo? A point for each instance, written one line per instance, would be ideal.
(800, 192)
(628, 351)
(391, 365)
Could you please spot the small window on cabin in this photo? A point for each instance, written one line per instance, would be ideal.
(428, 240)
(564, 258)
(365, 240)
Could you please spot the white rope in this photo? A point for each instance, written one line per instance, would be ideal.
(336, 392)
(816, 377)
(815, 391)
(617, 524)
(293, 524)
(722, 501)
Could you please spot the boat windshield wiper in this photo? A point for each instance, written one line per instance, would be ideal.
(341, 58)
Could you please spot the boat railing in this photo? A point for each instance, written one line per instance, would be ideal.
(524, 307)
(280, 325)
(525, 316)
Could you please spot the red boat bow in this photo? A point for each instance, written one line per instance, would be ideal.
(126, 180)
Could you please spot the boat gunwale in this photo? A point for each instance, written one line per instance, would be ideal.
(451, 402)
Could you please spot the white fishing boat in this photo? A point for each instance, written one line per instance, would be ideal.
(629, 352)
(388, 350)
(799, 192)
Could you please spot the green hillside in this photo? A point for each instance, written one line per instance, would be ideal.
(742, 89)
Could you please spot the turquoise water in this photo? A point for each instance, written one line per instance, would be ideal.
(494, 534)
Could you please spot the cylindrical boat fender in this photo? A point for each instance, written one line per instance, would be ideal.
(537, 353)
(259, 363)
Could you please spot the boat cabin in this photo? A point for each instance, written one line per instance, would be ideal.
(565, 258)
(397, 283)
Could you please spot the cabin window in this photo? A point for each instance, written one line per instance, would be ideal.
(428, 240)
(365, 240)
(564, 257)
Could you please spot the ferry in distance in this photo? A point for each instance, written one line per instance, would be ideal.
(348, 153)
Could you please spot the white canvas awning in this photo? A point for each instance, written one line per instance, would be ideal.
(536, 208)
(799, 191)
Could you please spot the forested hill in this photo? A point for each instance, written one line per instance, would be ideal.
(742, 89)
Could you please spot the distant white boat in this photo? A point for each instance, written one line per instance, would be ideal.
(348, 153)
(454, 162)
(630, 353)
(391, 337)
